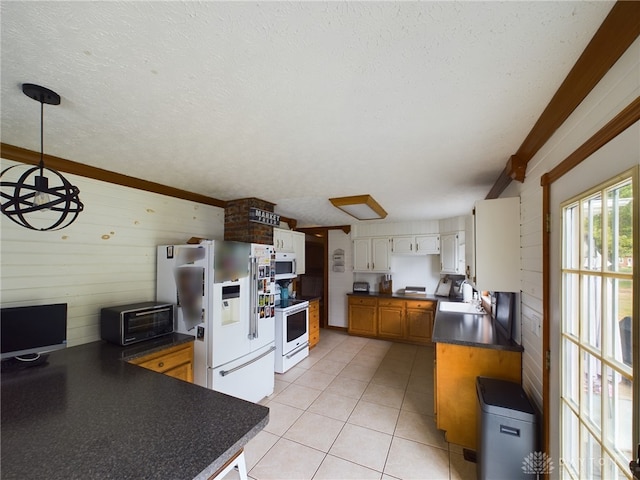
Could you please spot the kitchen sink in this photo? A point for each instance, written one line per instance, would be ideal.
(459, 307)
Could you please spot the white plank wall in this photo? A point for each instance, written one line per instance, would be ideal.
(106, 257)
(340, 283)
(617, 90)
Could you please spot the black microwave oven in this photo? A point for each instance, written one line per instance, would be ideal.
(136, 322)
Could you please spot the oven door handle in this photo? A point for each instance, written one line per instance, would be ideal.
(297, 350)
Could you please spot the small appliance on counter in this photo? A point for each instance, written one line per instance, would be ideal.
(416, 291)
(360, 287)
(136, 322)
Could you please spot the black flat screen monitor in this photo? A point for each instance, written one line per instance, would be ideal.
(32, 330)
(504, 313)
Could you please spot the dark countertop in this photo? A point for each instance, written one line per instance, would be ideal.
(308, 298)
(473, 330)
(399, 295)
(90, 414)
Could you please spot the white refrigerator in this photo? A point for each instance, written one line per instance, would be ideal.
(225, 297)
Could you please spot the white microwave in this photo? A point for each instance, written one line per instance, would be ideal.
(285, 265)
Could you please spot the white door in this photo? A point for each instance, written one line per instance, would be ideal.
(596, 354)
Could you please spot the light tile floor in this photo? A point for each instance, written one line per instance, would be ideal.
(356, 408)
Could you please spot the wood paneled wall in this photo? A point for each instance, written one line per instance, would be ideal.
(617, 89)
(106, 257)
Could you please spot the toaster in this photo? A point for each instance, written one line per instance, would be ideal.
(360, 287)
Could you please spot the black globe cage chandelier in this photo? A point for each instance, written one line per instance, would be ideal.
(31, 192)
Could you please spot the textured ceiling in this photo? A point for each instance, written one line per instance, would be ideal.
(419, 104)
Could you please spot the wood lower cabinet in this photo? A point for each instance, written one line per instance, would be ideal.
(419, 322)
(456, 369)
(362, 316)
(391, 319)
(314, 323)
(396, 319)
(175, 361)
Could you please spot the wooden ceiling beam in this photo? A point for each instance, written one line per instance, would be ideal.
(323, 230)
(618, 31)
(23, 155)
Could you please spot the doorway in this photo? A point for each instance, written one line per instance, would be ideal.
(313, 282)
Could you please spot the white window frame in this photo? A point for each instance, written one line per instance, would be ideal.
(578, 343)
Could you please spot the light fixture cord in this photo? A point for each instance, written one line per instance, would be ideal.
(41, 137)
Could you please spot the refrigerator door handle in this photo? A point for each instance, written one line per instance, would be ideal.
(253, 328)
(224, 373)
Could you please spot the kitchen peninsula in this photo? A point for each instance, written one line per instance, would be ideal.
(467, 346)
(89, 413)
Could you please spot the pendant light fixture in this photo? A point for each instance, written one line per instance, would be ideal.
(30, 201)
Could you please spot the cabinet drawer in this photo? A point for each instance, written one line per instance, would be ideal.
(314, 338)
(362, 301)
(384, 302)
(314, 307)
(421, 304)
(313, 327)
(168, 359)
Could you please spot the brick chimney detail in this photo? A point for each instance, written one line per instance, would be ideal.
(237, 226)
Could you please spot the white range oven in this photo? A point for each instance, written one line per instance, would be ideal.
(292, 333)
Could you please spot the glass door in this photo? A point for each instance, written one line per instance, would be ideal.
(597, 305)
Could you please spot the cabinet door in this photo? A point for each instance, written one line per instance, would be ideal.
(449, 253)
(182, 372)
(427, 244)
(390, 322)
(402, 245)
(470, 249)
(282, 240)
(298, 248)
(498, 244)
(362, 316)
(419, 325)
(380, 254)
(361, 254)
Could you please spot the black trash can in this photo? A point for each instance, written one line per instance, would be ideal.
(506, 433)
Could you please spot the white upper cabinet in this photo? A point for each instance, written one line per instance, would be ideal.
(452, 253)
(428, 244)
(470, 250)
(371, 254)
(361, 254)
(283, 240)
(416, 244)
(290, 241)
(497, 245)
(402, 244)
(298, 248)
